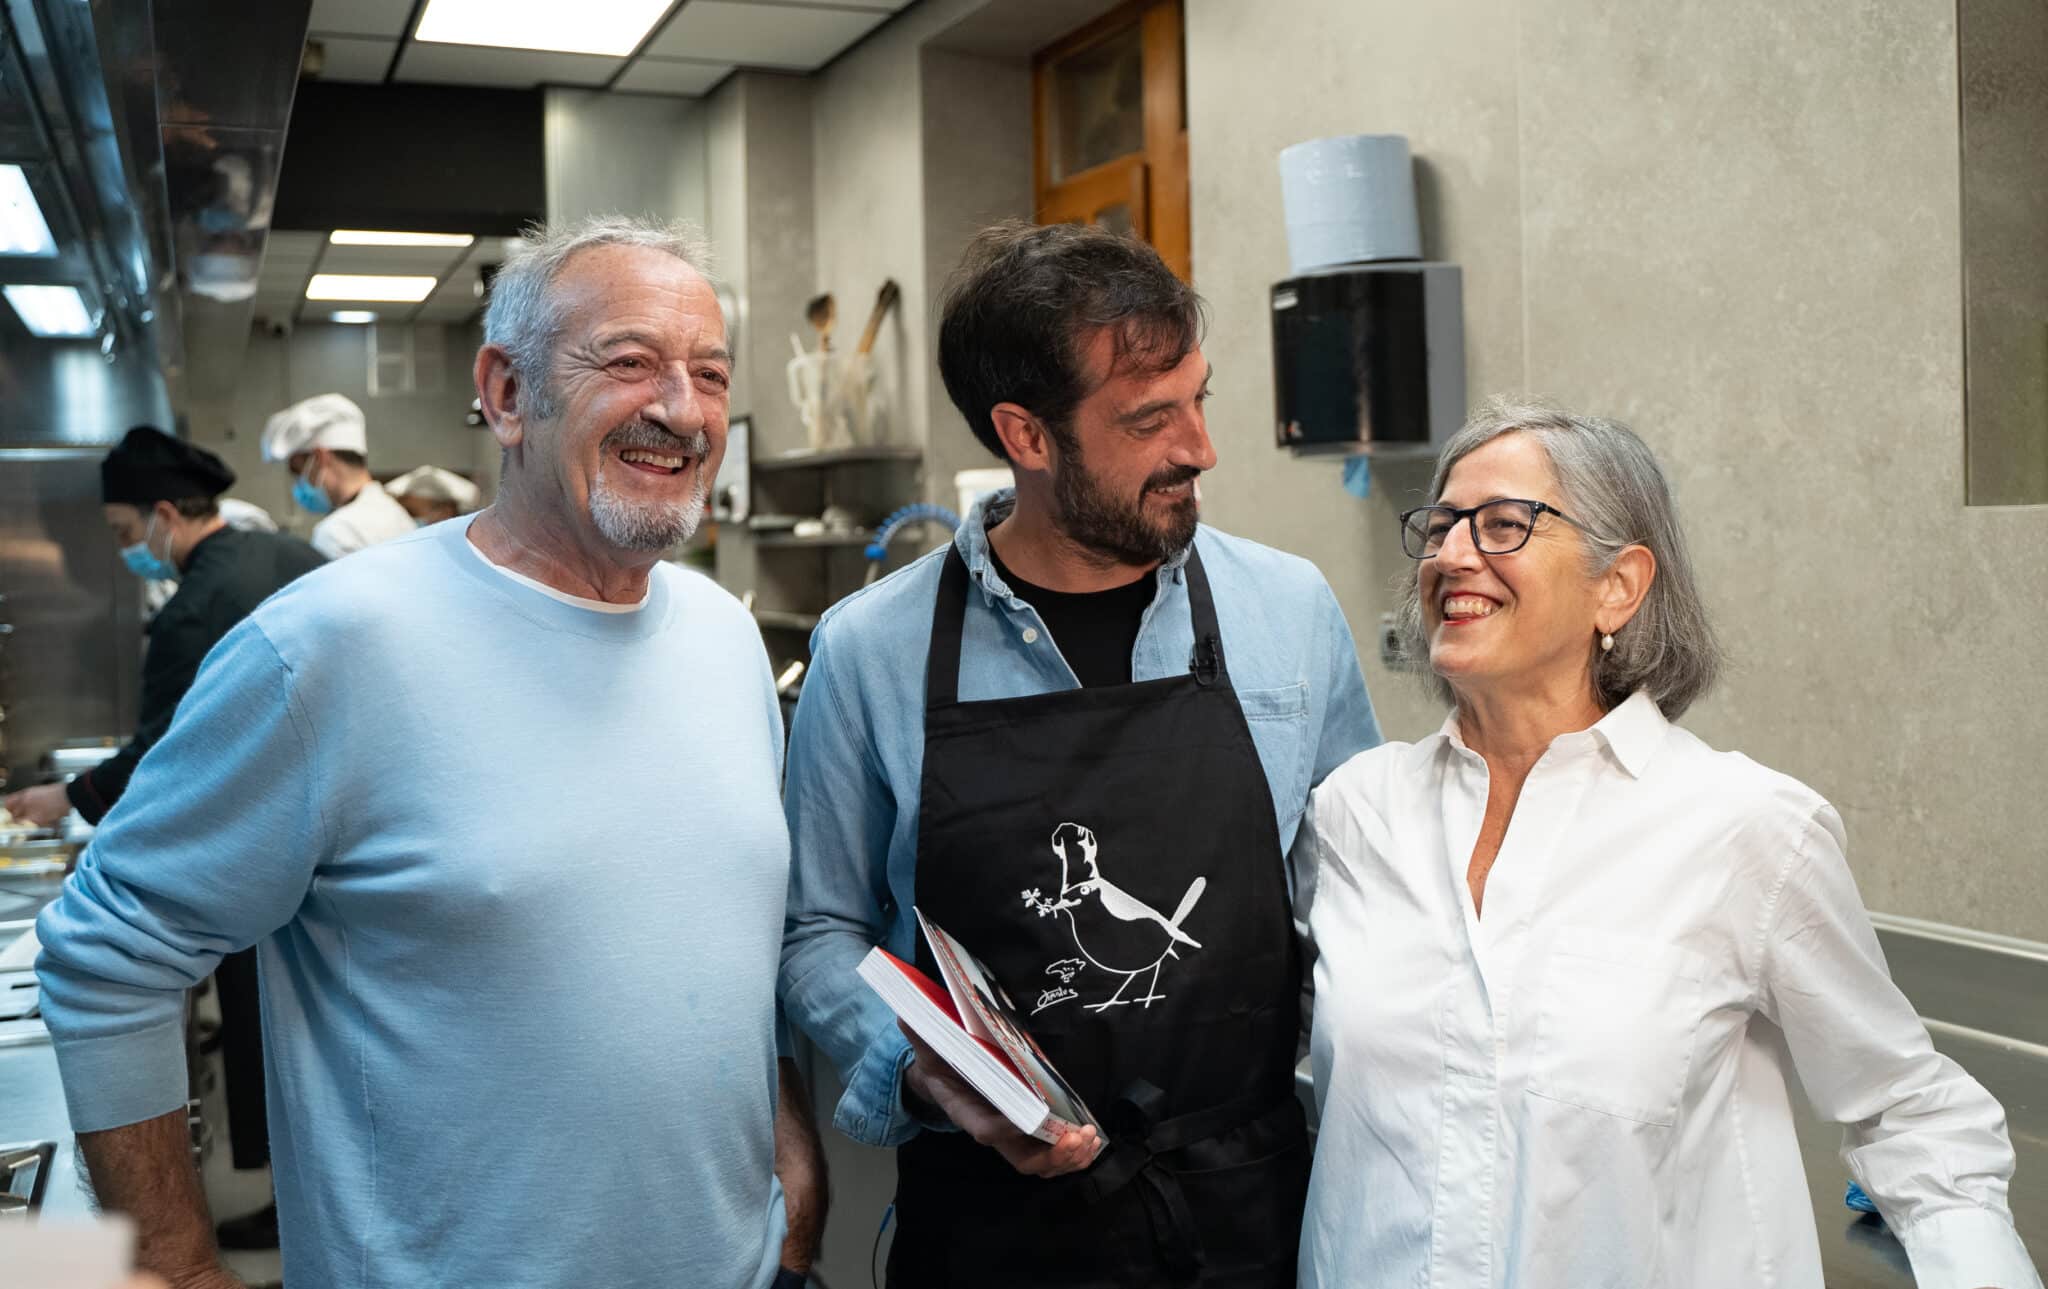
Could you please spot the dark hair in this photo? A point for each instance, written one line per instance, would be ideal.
(346, 457)
(197, 507)
(1020, 311)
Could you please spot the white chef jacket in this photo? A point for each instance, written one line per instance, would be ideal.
(1588, 1088)
(372, 516)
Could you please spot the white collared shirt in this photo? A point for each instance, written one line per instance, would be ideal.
(1588, 1088)
(371, 516)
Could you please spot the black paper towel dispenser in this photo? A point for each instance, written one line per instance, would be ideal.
(1369, 357)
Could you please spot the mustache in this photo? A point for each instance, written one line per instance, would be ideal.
(1171, 477)
(653, 438)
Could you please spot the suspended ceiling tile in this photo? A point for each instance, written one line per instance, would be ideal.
(502, 68)
(354, 58)
(428, 261)
(765, 35)
(385, 18)
(292, 246)
(668, 76)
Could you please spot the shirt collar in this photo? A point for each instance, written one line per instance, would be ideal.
(971, 540)
(1632, 731)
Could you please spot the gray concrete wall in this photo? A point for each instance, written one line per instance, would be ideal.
(424, 427)
(1737, 228)
(625, 154)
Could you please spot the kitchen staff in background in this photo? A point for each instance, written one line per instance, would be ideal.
(431, 494)
(467, 1013)
(161, 500)
(162, 503)
(245, 515)
(1080, 738)
(323, 440)
(1574, 961)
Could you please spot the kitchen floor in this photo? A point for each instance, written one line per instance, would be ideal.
(231, 1193)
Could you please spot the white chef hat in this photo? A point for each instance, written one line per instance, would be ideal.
(432, 483)
(322, 421)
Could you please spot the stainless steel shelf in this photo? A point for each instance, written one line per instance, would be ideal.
(842, 456)
(784, 541)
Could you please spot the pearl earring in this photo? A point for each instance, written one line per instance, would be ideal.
(1607, 643)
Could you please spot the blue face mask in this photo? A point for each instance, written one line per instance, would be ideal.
(310, 499)
(144, 563)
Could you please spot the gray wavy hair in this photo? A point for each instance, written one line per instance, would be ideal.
(525, 319)
(1615, 490)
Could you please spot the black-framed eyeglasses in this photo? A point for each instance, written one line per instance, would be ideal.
(1499, 527)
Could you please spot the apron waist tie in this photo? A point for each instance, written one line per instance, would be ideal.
(1137, 1137)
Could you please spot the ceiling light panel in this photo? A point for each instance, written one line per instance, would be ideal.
(23, 230)
(51, 312)
(369, 286)
(364, 237)
(610, 27)
(354, 316)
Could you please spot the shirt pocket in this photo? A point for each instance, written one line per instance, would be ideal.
(1278, 719)
(1616, 1020)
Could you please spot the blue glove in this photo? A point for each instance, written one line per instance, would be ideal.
(1856, 1199)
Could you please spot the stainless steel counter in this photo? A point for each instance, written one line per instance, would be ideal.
(1857, 1251)
(31, 1094)
(32, 1111)
(1985, 1001)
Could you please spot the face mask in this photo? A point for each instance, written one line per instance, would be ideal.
(144, 563)
(310, 499)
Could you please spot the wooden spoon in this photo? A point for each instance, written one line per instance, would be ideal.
(821, 312)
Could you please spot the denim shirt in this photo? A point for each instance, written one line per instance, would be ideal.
(856, 756)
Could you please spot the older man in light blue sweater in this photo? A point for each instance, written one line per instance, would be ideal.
(499, 805)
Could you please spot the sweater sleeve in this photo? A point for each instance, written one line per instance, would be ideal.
(188, 867)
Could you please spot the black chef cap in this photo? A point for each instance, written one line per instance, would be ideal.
(150, 466)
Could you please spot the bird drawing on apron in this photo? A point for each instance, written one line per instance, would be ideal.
(1134, 939)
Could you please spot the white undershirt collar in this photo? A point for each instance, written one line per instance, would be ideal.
(576, 601)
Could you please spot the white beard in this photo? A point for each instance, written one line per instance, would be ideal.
(655, 527)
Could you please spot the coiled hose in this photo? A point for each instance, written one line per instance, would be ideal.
(915, 513)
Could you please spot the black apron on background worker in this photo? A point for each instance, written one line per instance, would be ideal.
(1111, 854)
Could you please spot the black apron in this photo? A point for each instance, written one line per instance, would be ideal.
(1111, 855)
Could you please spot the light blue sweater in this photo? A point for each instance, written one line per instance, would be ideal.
(517, 871)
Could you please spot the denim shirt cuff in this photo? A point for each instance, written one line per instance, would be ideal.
(872, 1110)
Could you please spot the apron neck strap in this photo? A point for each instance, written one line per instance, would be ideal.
(1206, 664)
(949, 617)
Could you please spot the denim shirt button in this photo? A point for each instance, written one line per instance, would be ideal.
(1031, 635)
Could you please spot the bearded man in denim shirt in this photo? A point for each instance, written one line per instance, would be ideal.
(1080, 739)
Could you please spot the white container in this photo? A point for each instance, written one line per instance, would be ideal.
(836, 397)
(1349, 200)
(973, 485)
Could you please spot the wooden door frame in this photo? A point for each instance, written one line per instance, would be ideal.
(1161, 33)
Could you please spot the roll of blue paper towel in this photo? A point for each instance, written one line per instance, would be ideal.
(1349, 200)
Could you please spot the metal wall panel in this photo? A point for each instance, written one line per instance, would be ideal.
(71, 667)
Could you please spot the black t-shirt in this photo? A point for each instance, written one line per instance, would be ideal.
(1095, 631)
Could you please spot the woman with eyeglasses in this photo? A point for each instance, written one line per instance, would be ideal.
(1571, 957)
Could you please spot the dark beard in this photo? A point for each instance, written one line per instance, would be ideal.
(1099, 521)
